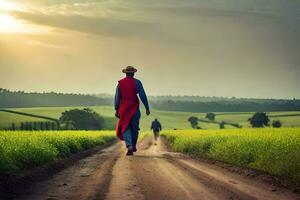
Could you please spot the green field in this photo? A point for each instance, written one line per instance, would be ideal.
(276, 151)
(170, 120)
(288, 119)
(7, 118)
(21, 150)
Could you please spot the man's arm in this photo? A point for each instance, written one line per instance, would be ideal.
(159, 126)
(143, 95)
(117, 101)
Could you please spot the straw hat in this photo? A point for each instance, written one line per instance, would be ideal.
(129, 69)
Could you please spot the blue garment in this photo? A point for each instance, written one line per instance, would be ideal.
(132, 131)
(156, 126)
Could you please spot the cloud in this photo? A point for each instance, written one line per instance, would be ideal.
(187, 23)
(112, 17)
(281, 13)
(92, 25)
(87, 9)
(241, 44)
(44, 44)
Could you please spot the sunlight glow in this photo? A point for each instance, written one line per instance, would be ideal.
(8, 6)
(9, 25)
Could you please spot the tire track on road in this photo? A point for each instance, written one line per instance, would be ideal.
(87, 179)
(167, 175)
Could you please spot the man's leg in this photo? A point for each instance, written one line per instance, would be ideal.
(135, 135)
(135, 128)
(155, 135)
(128, 140)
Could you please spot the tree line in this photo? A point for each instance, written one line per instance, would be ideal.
(14, 99)
(258, 120)
(228, 106)
(34, 126)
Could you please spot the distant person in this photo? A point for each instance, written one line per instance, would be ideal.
(127, 108)
(156, 127)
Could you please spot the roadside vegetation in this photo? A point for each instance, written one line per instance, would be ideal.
(272, 150)
(21, 150)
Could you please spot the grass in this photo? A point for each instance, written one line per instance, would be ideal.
(276, 151)
(170, 120)
(289, 119)
(21, 150)
(6, 119)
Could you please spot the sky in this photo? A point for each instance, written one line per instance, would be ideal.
(193, 47)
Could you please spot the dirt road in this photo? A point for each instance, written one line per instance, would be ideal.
(153, 173)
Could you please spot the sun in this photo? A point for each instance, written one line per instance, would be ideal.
(8, 24)
(8, 6)
(11, 24)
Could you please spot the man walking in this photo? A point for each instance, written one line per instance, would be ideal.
(127, 108)
(156, 127)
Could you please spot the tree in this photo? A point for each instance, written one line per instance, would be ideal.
(22, 126)
(13, 126)
(210, 116)
(85, 119)
(53, 126)
(193, 121)
(259, 119)
(222, 125)
(35, 126)
(276, 124)
(42, 126)
(26, 126)
(69, 125)
(47, 125)
(30, 126)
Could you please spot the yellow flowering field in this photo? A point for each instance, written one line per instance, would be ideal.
(276, 151)
(25, 149)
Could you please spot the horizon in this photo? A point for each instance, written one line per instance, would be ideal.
(187, 48)
(153, 95)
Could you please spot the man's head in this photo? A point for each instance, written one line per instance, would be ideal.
(155, 119)
(129, 71)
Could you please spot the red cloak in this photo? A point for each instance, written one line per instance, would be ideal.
(129, 104)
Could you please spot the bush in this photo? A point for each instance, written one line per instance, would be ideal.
(210, 116)
(85, 119)
(276, 124)
(259, 119)
(194, 122)
(222, 125)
